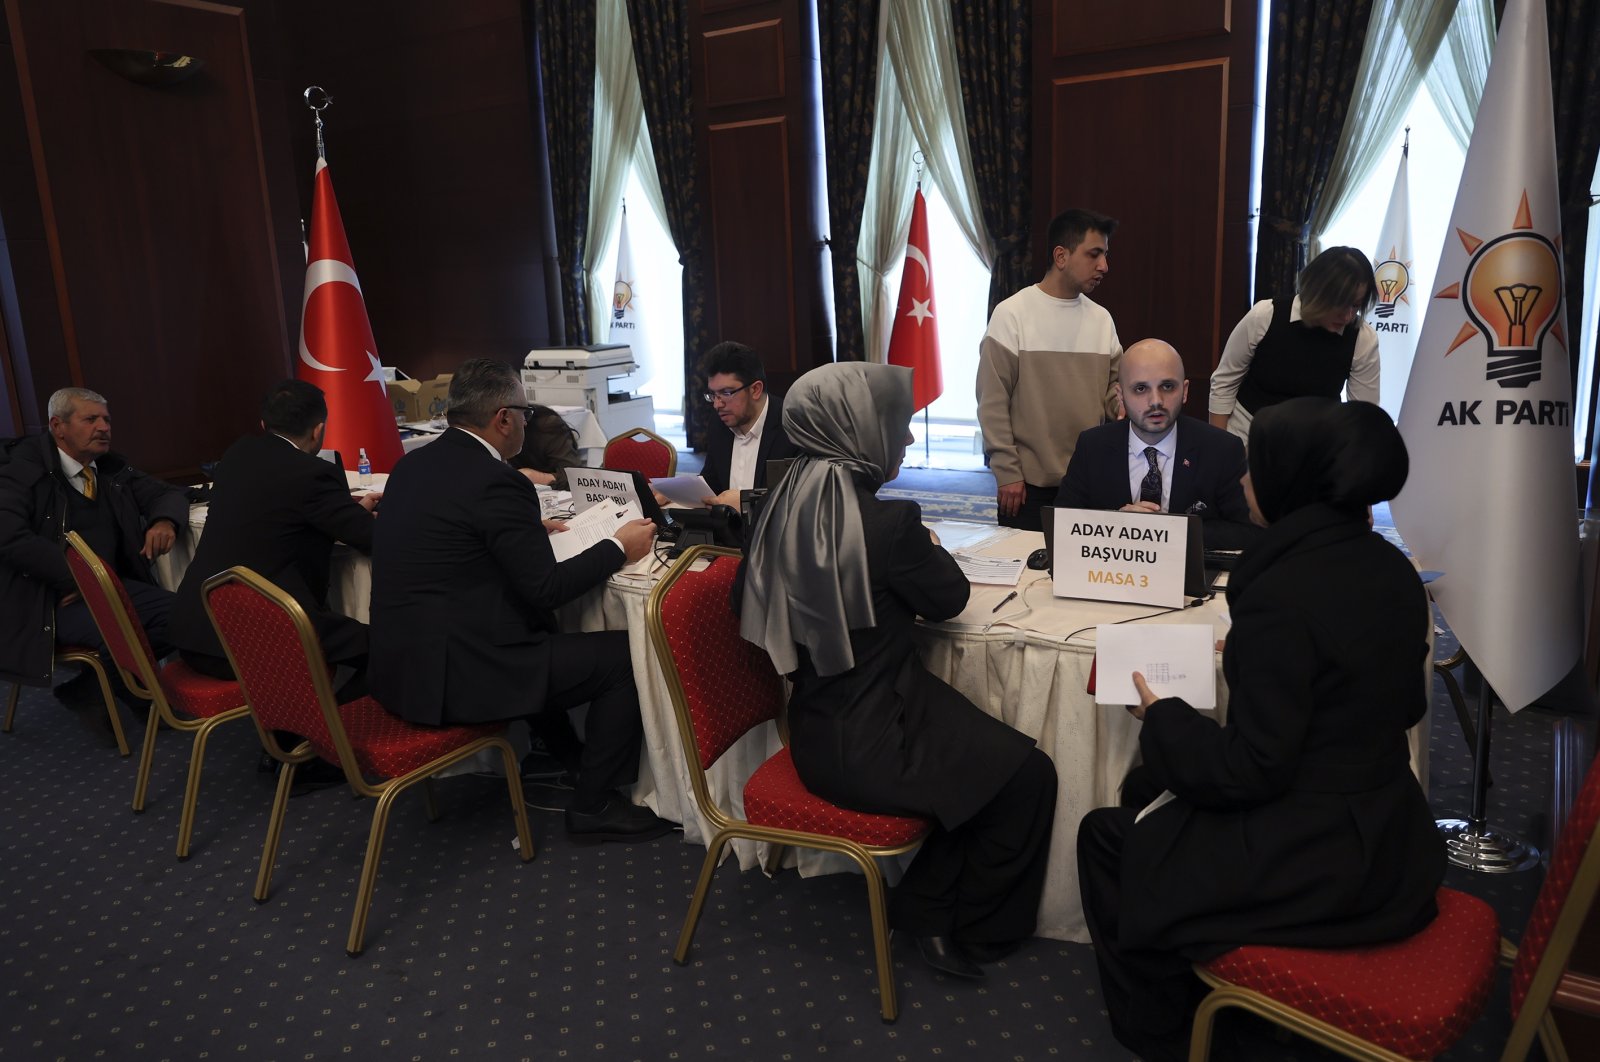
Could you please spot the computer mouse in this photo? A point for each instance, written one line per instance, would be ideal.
(1039, 560)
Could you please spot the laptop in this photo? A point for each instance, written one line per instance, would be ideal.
(1195, 583)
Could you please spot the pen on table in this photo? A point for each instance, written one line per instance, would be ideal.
(1004, 601)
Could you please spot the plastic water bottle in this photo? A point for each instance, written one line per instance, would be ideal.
(364, 469)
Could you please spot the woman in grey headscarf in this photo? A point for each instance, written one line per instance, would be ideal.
(1299, 823)
(832, 583)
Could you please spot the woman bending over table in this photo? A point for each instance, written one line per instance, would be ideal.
(1298, 823)
(1312, 343)
(831, 586)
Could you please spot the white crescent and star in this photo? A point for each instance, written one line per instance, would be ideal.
(921, 309)
(326, 271)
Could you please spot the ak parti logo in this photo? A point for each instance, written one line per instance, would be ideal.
(1393, 278)
(1511, 292)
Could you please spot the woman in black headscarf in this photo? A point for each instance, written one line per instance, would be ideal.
(1299, 822)
(831, 586)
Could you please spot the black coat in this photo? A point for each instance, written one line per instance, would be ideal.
(1300, 822)
(774, 446)
(33, 532)
(887, 736)
(1207, 469)
(277, 510)
(465, 587)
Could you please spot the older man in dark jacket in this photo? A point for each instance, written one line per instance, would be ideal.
(69, 480)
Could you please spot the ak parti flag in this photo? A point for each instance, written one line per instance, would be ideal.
(1490, 501)
(337, 352)
(914, 342)
(1394, 316)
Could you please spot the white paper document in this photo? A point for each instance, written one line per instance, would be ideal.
(1177, 660)
(989, 571)
(594, 524)
(689, 491)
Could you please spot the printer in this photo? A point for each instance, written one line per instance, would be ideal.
(595, 377)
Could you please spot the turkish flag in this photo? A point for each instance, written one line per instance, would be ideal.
(914, 342)
(337, 352)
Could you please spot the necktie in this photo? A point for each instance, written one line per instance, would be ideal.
(88, 482)
(1150, 486)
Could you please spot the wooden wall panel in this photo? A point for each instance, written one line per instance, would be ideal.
(162, 279)
(756, 122)
(751, 239)
(1145, 110)
(1166, 258)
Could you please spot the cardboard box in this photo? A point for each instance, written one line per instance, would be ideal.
(433, 399)
(404, 395)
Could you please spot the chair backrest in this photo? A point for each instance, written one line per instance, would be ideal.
(722, 686)
(275, 654)
(113, 612)
(1564, 901)
(641, 450)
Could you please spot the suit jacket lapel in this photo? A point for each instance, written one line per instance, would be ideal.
(1184, 491)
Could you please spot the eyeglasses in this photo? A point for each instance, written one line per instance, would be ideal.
(527, 412)
(724, 394)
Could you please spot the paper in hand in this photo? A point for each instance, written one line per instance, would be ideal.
(1177, 660)
(690, 491)
(595, 524)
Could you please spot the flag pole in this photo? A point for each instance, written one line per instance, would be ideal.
(318, 99)
(927, 437)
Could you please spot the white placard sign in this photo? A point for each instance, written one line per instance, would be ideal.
(591, 486)
(1117, 556)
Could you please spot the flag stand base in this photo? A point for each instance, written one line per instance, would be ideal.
(1471, 842)
(1485, 850)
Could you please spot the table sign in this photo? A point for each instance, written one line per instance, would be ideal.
(591, 486)
(1117, 556)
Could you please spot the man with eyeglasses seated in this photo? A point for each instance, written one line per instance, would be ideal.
(464, 592)
(736, 387)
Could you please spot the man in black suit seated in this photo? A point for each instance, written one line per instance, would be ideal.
(464, 592)
(1157, 460)
(736, 387)
(277, 508)
(68, 479)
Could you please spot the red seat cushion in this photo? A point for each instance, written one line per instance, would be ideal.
(387, 746)
(775, 797)
(1415, 996)
(197, 695)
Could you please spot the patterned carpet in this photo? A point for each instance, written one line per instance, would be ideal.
(111, 948)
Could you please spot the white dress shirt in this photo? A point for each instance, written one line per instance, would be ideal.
(70, 467)
(746, 448)
(1166, 453)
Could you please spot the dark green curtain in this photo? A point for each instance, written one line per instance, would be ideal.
(660, 30)
(1312, 57)
(564, 58)
(1575, 90)
(995, 59)
(847, 33)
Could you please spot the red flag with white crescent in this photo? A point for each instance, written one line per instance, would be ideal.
(914, 342)
(337, 352)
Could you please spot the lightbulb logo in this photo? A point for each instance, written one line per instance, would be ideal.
(1511, 291)
(621, 296)
(1393, 279)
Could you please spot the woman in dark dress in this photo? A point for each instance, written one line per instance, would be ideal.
(831, 586)
(1313, 343)
(1299, 822)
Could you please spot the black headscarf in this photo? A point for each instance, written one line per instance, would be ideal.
(1306, 450)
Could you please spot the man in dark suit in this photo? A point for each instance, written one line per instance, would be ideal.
(278, 508)
(67, 479)
(736, 387)
(464, 592)
(1157, 460)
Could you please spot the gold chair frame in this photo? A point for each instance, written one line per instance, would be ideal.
(672, 451)
(1553, 985)
(385, 792)
(145, 684)
(728, 828)
(77, 656)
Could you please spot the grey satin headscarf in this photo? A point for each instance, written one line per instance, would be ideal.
(806, 578)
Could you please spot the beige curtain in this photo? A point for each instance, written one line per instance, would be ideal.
(1455, 80)
(1402, 38)
(887, 215)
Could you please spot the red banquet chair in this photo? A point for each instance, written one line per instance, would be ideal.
(275, 652)
(723, 687)
(180, 696)
(641, 450)
(77, 654)
(1413, 998)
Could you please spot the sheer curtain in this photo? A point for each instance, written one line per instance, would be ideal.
(1455, 80)
(919, 105)
(619, 141)
(1401, 41)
